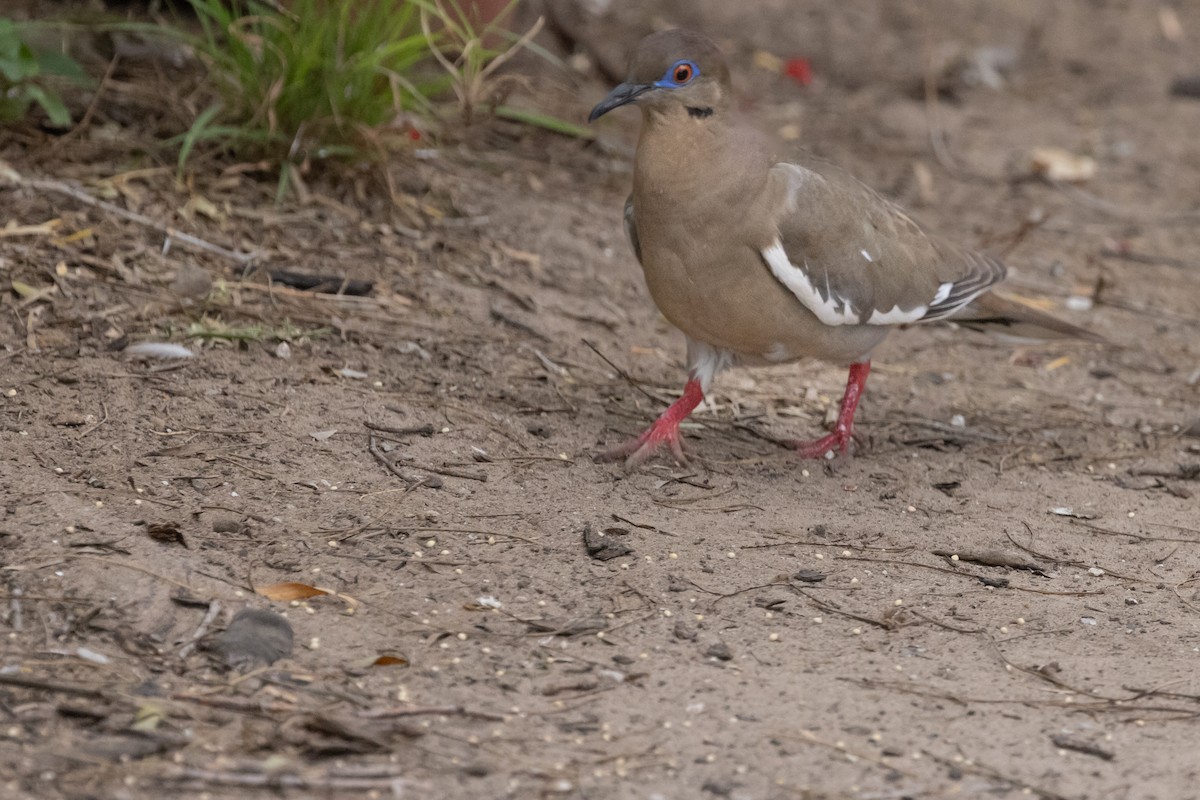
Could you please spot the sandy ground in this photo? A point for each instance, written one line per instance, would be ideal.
(998, 597)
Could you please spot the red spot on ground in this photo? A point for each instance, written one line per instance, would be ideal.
(799, 70)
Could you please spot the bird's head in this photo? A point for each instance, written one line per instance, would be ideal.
(672, 71)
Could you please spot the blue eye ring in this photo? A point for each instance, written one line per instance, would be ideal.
(680, 73)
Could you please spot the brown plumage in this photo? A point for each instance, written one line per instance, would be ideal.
(761, 257)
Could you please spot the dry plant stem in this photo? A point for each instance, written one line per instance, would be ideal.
(624, 375)
(469, 88)
(412, 481)
(448, 711)
(214, 610)
(171, 234)
(28, 682)
(204, 777)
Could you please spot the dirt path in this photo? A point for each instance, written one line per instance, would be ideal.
(502, 617)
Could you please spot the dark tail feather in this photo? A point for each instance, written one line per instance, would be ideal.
(1009, 317)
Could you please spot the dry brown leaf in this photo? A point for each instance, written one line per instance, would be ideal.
(390, 660)
(288, 591)
(1057, 164)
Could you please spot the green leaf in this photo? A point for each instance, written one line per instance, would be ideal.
(62, 65)
(550, 123)
(51, 103)
(13, 108)
(195, 134)
(18, 63)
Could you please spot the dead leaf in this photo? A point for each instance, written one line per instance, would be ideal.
(389, 660)
(385, 659)
(1057, 164)
(167, 533)
(288, 591)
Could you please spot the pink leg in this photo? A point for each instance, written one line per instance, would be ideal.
(665, 430)
(839, 440)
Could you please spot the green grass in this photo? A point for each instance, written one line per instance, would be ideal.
(215, 329)
(313, 80)
(28, 75)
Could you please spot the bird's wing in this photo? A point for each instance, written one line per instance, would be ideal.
(631, 229)
(853, 258)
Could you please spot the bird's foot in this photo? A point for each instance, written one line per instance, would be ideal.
(827, 447)
(838, 442)
(664, 431)
(641, 449)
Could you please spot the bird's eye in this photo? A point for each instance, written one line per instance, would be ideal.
(680, 73)
(683, 72)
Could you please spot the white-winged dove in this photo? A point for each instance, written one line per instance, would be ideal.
(764, 260)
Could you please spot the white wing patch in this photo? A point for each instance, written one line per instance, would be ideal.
(832, 309)
(897, 316)
(942, 293)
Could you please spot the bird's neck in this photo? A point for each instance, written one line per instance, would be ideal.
(695, 165)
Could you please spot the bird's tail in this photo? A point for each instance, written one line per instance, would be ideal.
(1017, 320)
